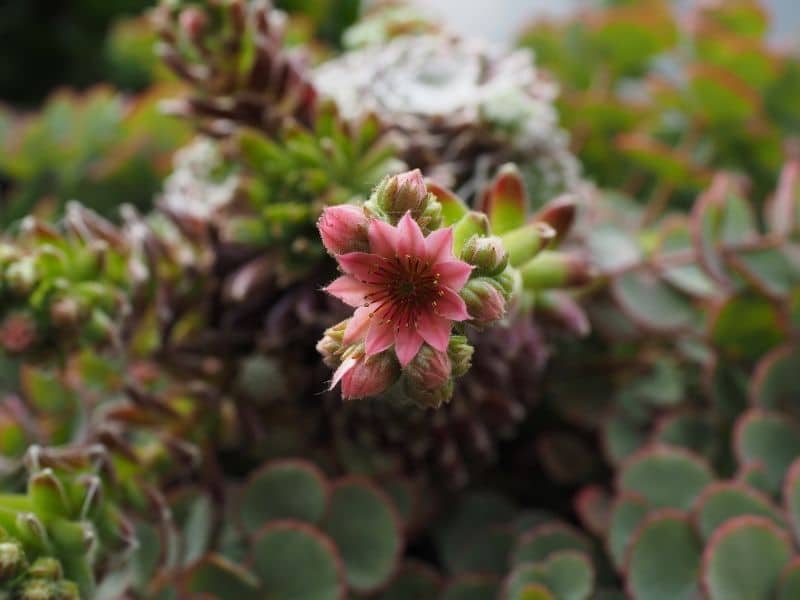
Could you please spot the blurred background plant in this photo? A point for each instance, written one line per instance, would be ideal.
(166, 426)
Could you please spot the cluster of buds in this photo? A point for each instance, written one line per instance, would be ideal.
(52, 536)
(414, 285)
(61, 288)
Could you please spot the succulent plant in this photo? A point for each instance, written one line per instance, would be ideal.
(677, 96)
(460, 108)
(98, 146)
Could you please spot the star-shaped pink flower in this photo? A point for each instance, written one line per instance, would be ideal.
(405, 289)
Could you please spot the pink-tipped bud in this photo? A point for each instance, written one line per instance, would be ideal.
(193, 21)
(399, 194)
(370, 376)
(429, 370)
(343, 229)
(17, 333)
(485, 300)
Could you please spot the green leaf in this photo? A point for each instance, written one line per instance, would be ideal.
(770, 439)
(295, 560)
(789, 586)
(723, 501)
(568, 575)
(363, 523)
(627, 512)
(472, 587)
(506, 201)
(651, 303)
(216, 576)
(746, 326)
(744, 559)
(284, 489)
(776, 380)
(488, 553)
(666, 477)
(791, 496)
(664, 558)
(413, 580)
(544, 540)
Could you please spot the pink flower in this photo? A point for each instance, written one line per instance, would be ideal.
(405, 290)
(343, 229)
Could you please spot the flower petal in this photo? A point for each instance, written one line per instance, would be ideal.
(347, 364)
(451, 306)
(453, 273)
(383, 238)
(349, 290)
(360, 265)
(379, 337)
(435, 330)
(439, 245)
(410, 240)
(407, 344)
(357, 326)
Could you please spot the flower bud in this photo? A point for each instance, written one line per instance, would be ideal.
(460, 352)
(65, 312)
(21, 276)
(12, 560)
(370, 375)
(487, 253)
(430, 398)
(429, 369)
(17, 333)
(46, 568)
(193, 21)
(343, 229)
(471, 224)
(331, 344)
(485, 300)
(399, 194)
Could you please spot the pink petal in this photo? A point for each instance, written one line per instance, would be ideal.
(407, 344)
(410, 240)
(451, 306)
(383, 239)
(435, 330)
(347, 364)
(357, 325)
(358, 264)
(349, 290)
(439, 245)
(453, 273)
(379, 337)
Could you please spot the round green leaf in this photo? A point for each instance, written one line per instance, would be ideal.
(221, 579)
(651, 303)
(789, 586)
(285, 489)
(665, 476)
(294, 560)
(664, 558)
(542, 541)
(722, 501)
(771, 439)
(627, 512)
(744, 559)
(568, 575)
(791, 496)
(363, 523)
(776, 380)
(746, 326)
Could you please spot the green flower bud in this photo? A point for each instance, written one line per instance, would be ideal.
(12, 560)
(330, 345)
(46, 568)
(398, 194)
(487, 253)
(460, 352)
(21, 276)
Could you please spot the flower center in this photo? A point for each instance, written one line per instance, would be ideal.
(404, 287)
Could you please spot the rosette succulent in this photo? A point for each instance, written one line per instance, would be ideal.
(460, 108)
